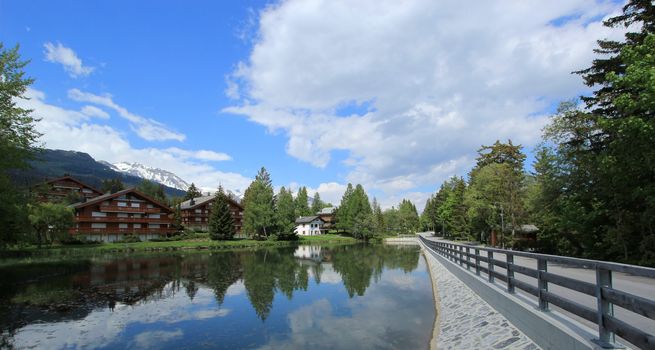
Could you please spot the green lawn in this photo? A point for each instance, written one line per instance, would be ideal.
(184, 244)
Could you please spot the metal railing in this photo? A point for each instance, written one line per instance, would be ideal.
(606, 296)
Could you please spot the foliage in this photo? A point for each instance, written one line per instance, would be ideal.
(128, 238)
(408, 217)
(354, 207)
(50, 221)
(285, 215)
(302, 203)
(153, 189)
(221, 223)
(258, 206)
(112, 185)
(317, 204)
(18, 141)
(192, 192)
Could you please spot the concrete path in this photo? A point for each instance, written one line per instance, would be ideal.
(464, 320)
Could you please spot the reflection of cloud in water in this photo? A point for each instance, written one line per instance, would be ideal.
(237, 288)
(316, 325)
(153, 339)
(328, 275)
(102, 327)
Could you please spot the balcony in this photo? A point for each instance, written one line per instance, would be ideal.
(161, 230)
(163, 220)
(117, 209)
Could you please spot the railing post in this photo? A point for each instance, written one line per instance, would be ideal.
(510, 272)
(542, 284)
(490, 266)
(461, 255)
(477, 261)
(604, 279)
(468, 258)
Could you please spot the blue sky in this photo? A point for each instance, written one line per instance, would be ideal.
(320, 93)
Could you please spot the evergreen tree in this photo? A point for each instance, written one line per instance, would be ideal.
(343, 217)
(378, 217)
(177, 218)
(317, 204)
(192, 192)
(409, 220)
(153, 189)
(112, 185)
(302, 203)
(285, 215)
(221, 223)
(258, 206)
(18, 142)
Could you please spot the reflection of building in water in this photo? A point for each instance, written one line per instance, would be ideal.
(308, 252)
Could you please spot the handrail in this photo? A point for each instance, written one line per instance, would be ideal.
(609, 325)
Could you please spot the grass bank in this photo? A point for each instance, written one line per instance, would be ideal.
(191, 244)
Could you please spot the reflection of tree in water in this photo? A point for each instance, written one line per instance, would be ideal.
(359, 264)
(223, 270)
(268, 270)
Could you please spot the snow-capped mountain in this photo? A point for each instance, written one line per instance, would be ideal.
(161, 176)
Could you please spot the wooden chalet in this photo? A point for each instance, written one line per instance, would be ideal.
(63, 189)
(195, 212)
(327, 215)
(111, 216)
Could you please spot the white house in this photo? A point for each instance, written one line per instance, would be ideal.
(309, 225)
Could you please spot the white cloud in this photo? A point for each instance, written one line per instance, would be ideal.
(93, 111)
(69, 129)
(441, 79)
(146, 128)
(154, 339)
(68, 58)
(201, 154)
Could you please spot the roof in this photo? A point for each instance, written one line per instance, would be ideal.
(326, 211)
(68, 177)
(106, 196)
(307, 219)
(198, 201)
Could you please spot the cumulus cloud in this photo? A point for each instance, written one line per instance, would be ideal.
(439, 79)
(70, 129)
(146, 128)
(68, 58)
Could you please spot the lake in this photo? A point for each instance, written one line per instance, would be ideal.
(343, 297)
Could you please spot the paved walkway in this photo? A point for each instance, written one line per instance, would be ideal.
(464, 320)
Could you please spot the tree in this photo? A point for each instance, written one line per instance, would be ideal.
(378, 216)
(192, 192)
(221, 223)
(177, 218)
(18, 141)
(153, 190)
(302, 203)
(285, 215)
(258, 206)
(409, 220)
(317, 204)
(50, 221)
(112, 185)
(343, 217)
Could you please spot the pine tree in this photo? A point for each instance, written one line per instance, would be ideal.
(317, 204)
(192, 192)
(343, 216)
(221, 223)
(258, 206)
(302, 203)
(378, 217)
(18, 141)
(285, 215)
(112, 185)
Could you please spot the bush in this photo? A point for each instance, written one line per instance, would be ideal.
(80, 240)
(128, 238)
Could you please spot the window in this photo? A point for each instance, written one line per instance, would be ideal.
(136, 225)
(198, 211)
(122, 204)
(135, 205)
(154, 216)
(98, 214)
(153, 225)
(198, 219)
(86, 190)
(122, 225)
(98, 225)
(121, 215)
(150, 206)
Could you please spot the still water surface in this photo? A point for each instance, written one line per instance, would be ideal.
(354, 296)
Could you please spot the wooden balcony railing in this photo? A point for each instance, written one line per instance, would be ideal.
(161, 230)
(112, 219)
(115, 208)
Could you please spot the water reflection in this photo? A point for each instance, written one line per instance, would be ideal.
(295, 297)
